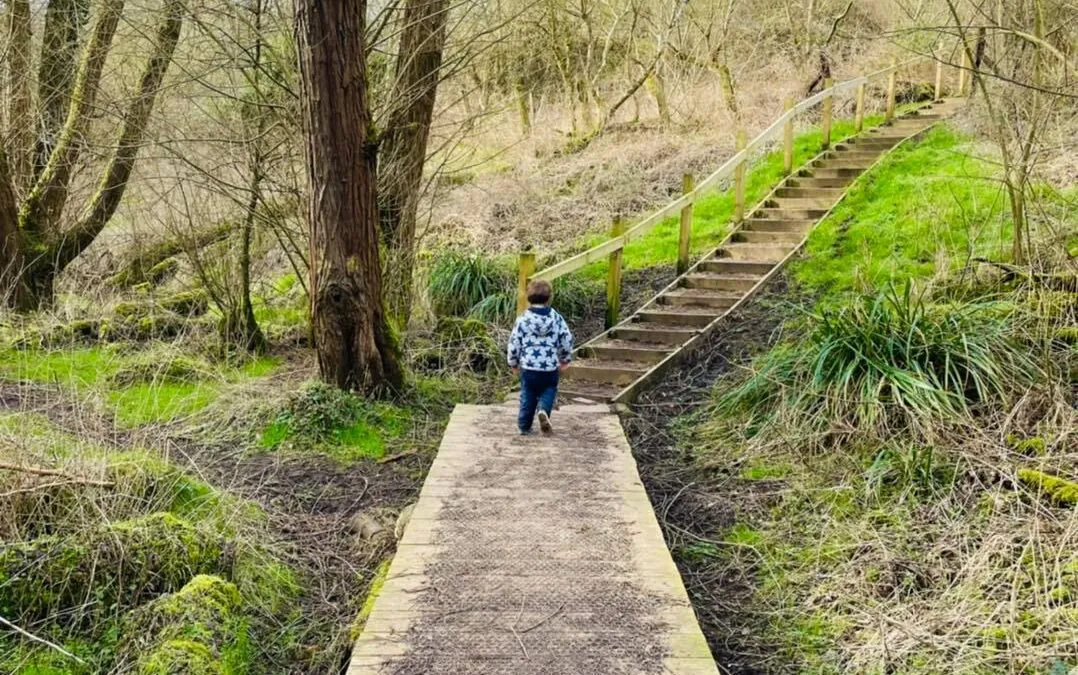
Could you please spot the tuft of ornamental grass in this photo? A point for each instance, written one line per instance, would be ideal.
(888, 359)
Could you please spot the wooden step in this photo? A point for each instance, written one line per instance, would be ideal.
(697, 317)
(602, 392)
(870, 142)
(818, 183)
(699, 297)
(799, 203)
(851, 155)
(651, 334)
(727, 266)
(620, 350)
(845, 174)
(609, 372)
(772, 253)
(827, 193)
(789, 213)
(775, 225)
(757, 237)
(720, 282)
(852, 164)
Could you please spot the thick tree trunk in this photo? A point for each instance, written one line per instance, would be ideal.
(43, 207)
(20, 127)
(64, 20)
(404, 146)
(356, 349)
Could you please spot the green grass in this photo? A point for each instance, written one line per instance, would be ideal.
(713, 213)
(927, 208)
(91, 370)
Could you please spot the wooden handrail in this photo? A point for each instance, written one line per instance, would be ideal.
(727, 169)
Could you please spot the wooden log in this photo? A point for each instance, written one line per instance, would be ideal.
(788, 140)
(613, 278)
(685, 233)
(526, 268)
(739, 180)
(828, 106)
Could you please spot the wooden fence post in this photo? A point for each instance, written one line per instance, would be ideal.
(685, 234)
(526, 268)
(788, 140)
(859, 115)
(939, 74)
(891, 79)
(739, 180)
(613, 277)
(828, 106)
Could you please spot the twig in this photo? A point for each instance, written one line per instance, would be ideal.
(399, 455)
(514, 627)
(548, 618)
(38, 471)
(43, 641)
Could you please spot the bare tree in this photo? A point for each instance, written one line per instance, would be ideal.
(404, 145)
(39, 246)
(356, 348)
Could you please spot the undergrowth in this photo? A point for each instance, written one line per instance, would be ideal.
(903, 464)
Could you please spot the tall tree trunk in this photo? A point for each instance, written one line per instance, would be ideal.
(114, 181)
(43, 207)
(356, 349)
(11, 258)
(64, 20)
(404, 146)
(20, 126)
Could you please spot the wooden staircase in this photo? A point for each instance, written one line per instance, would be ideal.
(616, 365)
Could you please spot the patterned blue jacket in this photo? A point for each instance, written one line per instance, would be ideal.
(540, 340)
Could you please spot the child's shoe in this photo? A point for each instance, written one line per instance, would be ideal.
(544, 422)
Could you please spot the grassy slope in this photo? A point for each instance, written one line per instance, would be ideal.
(898, 557)
(712, 214)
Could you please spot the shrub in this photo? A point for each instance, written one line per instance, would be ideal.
(123, 563)
(887, 358)
(459, 282)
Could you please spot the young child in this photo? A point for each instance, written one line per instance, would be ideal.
(540, 347)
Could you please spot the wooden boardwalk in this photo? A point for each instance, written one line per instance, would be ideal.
(532, 556)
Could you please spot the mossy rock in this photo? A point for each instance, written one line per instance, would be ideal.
(187, 303)
(158, 368)
(123, 563)
(205, 612)
(1031, 447)
(181, 657)
(57, 336)
(162, 270)
(1059, 490)
(1067, 335)
(132, 311)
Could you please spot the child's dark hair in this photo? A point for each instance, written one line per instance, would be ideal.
(539, 291)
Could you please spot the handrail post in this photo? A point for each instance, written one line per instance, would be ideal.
(525, 268)
(828, 105)
(613, 277)
(939, 74)
(859, 116)
(788, 140)
(685, 233)
(891, 80)
(739, 180)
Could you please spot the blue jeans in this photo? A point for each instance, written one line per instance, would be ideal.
(538, 389)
